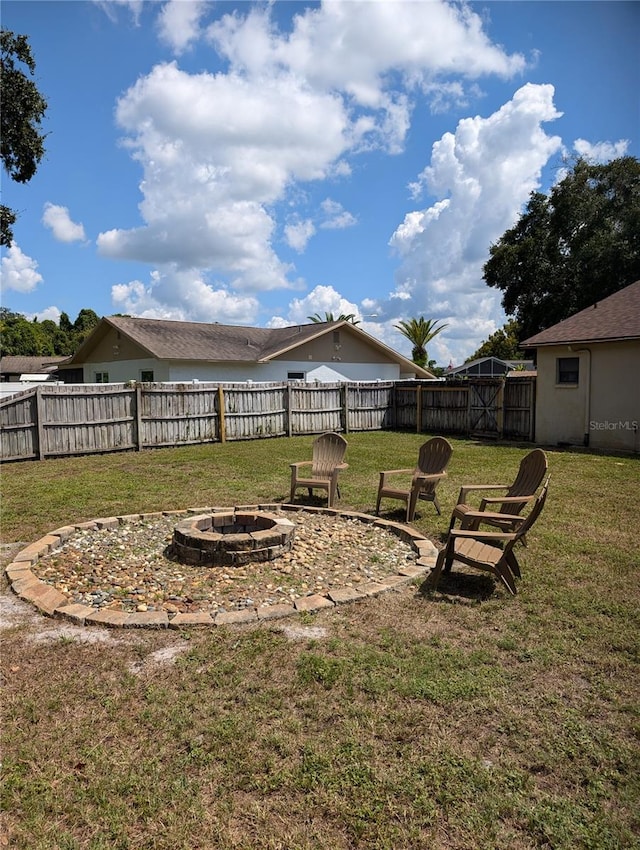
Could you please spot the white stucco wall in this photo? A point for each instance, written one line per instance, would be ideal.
(181, 372)
(605, 404)
(279, 370)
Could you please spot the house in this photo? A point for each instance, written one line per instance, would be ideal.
(488, 367)
(588, 385)
(20, 372)
(128, 349)
(16, 368)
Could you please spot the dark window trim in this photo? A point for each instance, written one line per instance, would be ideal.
(567, 371)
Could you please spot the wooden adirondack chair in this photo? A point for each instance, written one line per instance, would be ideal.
(431, 469)
(491, 551)
(328, 453)
(503, 510)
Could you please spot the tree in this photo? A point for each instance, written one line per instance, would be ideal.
(23, 108)
(19, 336)
(572, 247)
(82, 327)
(503, 343)
(328, 317)
(419, 332)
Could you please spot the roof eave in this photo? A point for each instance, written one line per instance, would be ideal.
(529, 343)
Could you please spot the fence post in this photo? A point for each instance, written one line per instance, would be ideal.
(500, 410)
(344, 401)
(287, 408)
(222, 427)
(40, 423)
(419, 409)
(138, 415)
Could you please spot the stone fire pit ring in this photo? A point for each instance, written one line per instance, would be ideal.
(52, 602)
(232, 539)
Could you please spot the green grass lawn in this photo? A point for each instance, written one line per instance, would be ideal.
(463, 718)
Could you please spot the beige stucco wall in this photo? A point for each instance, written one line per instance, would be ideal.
(120, 371)
(347, 349)
(115, 347)
(604, 406)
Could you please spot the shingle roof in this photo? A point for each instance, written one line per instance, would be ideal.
(170, 340)
(23, 365)
(614, 318)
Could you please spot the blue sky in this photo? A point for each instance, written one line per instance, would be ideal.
(258, 163)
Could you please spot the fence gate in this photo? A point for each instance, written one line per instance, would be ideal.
(486, 408)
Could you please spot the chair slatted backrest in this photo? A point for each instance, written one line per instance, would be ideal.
(328, 451)
(434, 456)
(532, 516)
(533, 468)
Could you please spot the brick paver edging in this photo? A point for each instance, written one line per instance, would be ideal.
(52, 603)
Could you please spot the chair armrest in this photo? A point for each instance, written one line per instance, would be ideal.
(507, 500)
(387, 472)
(301, 463)
(337, 469)
(482, 535)
(487, 515)
(468, 488)
(432, 476)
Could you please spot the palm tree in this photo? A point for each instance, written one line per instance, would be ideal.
(328, 317)
(419, 332)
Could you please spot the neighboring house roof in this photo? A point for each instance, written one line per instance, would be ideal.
(22, 365)
(198, 341)
(615, 318)
(497, 364)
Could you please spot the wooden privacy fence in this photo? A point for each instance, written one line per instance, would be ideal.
(61, 420)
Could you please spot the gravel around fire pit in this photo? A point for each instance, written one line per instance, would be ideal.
(129, 568)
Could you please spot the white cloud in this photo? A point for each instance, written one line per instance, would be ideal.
(179, 23)
(19, 272)
(321, 300)
(353, 46)
(298, 233)
(58, 220)
(221, 151)
(183, 295)
(601, 151)
(336, 217)
(480, 176)
(111, 8)
(216, 151)
(52, 313)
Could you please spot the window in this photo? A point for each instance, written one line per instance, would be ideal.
(567, 370)
(295, 376)
(146, 376)
(102, 377)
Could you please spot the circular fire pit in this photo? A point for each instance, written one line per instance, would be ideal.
(232, 539)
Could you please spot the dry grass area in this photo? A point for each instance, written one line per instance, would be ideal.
(453, 720)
